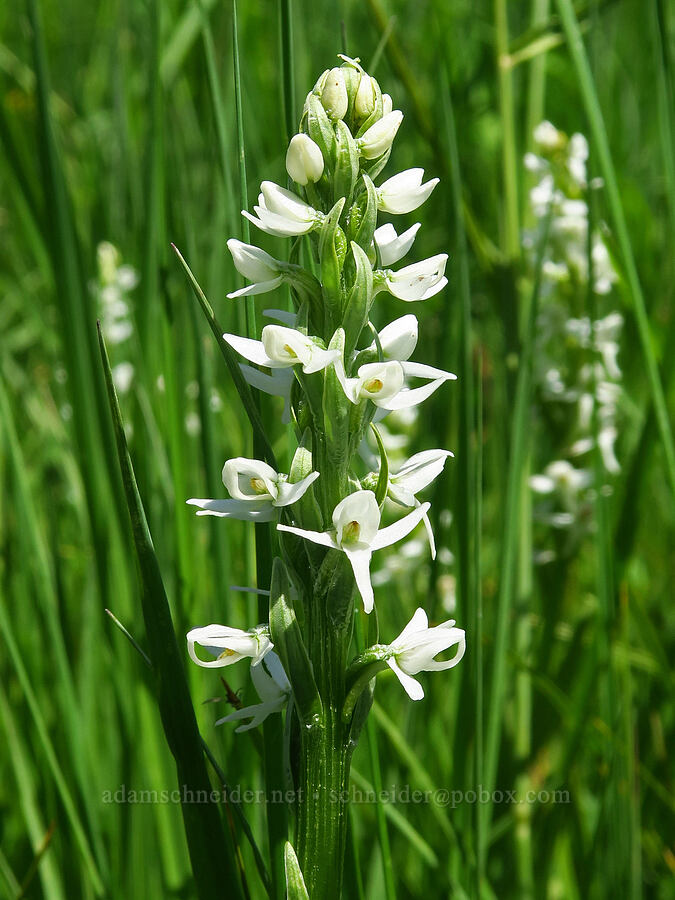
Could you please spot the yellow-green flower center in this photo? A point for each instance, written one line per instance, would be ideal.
(374, 385)
(351, 532)
(290, 351)
(259, 486)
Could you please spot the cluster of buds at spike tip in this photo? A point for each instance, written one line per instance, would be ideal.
(340, 369)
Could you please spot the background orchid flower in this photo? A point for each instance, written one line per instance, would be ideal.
(229, 645)
(282, 347)
(273, 689)
(283, 213)
(391, 246)
(256, 491)
(413, 476)
(404, 192)
(416, 647)
(419, 281)
(356, 531)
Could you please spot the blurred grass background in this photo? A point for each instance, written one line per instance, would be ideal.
(117, 124)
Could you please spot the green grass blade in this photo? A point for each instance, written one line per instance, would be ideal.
(51, 757)
(211, 854)
(287, 66)
(517, 459)
(606, 166)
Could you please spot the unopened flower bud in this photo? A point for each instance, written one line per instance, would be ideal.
(366, 97)
(387, 104)
(334, 94)
(304, 161)
(380, 136)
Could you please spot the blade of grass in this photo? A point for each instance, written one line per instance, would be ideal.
(287, 66)
(23, 776)
(211, 855)
(511, 226)
(517, 458)
(389, 811)
(51, 757)
(606, 167)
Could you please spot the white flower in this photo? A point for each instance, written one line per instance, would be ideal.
(256, 491)
(278, 383)
(391, 246)
(304, 161)
(606, 438)
(404, 192)
(384, 383)
(256, 265)
(283, 213)
(398, 339)
(356, 531)
(387, 104)
(273, 690)
(283, 347)
(380, 136)
(334, 94)
(547, 136)
(416, 647)
(420, 281)
(413, 476)
(229, 645)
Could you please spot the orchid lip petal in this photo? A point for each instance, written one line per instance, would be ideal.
(360, 563)
(411, 397)
(410, 685)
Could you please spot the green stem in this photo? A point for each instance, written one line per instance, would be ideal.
(507, 116)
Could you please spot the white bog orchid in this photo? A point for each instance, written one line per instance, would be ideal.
(273, 689)
(282, 213)
(404, 192)
(281, 348)
(384, 383)
(356, 531)
(420, 281)
(256, 491)
(416, 647)
(259, 267)
(391, 246)
(229, 645)
(413, 476)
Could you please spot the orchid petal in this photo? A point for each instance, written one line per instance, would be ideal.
(235, 509)
(392, 533)
(290, 493)
(316, 537)
(411, 686)
(407, 398)
(360, 563)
